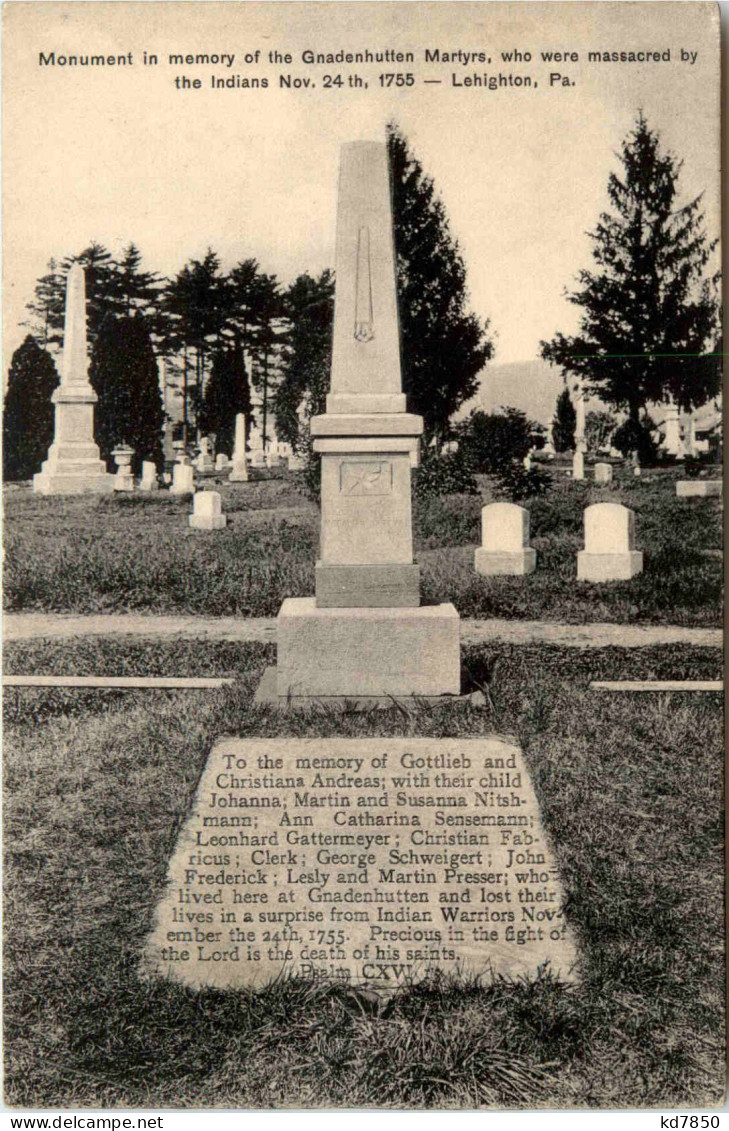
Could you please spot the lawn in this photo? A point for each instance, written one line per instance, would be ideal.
(137, 553)
(97, 785)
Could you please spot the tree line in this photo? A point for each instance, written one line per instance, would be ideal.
(649, 324)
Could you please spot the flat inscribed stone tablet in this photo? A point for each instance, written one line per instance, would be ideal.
(367, 861)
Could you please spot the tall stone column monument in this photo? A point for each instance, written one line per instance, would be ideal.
(73, 466)
(578, 459)
(364, 633)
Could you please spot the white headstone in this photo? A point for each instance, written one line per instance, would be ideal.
(148, 481)
(505, 548)
(182, 480)
(609, 553)
(221, 461)
(207, 514)
(603, 473)
(239, 471)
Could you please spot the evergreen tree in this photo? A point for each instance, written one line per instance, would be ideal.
(564, 423)
(227, 393)
(138, 290)
(123, 372)
(649, 314)
(47, 309)
(266, 341)
(444, 347)
(197, 306)
(308, 305)
(28, 413)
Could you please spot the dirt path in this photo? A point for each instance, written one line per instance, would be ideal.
(28, 626)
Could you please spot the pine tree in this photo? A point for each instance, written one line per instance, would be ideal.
(444, 347)
(308, 306)
(649, 312)
(564, 423)
(227, 393)
(28, 417)
(48, 308)
(123, 372)
(197, 306)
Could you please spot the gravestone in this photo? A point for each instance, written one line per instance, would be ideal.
(239, 471)
(123, 480)
(205, 461)
(603, 473)
(207, 514)
(221, 461)
(364, 633)
(148, 482)
(273, 456)
(609, 553)
(505, 548)
(255, 443)
(182, 479)
(699, 488)
(74, 465)
(361, 861)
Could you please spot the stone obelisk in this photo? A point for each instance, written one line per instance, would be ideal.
(578, 459)
(364, 634)
(73, 466)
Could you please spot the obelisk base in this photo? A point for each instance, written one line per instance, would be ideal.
(367, 586)
(73, 466)
(369, 653)
(73, 473)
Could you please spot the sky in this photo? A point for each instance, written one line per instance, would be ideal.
(118, 153)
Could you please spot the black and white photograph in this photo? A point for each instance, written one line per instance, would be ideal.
(362, 585)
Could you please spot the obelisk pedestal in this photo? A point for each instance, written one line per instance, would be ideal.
(364, 635)
(74, 466)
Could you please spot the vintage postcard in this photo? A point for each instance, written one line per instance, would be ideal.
(362, 462)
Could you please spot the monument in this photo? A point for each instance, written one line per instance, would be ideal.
(205, 460)
(239, 470)
(578, 459)
(364, 634)
(74, 466)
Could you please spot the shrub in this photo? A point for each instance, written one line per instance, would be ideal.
(518, 482)
(490, 442)
(445, 475)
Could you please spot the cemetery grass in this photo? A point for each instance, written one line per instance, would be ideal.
(137, 554)
(97, 785)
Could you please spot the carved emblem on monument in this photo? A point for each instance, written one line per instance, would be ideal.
(366, 478)
(364, 319)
